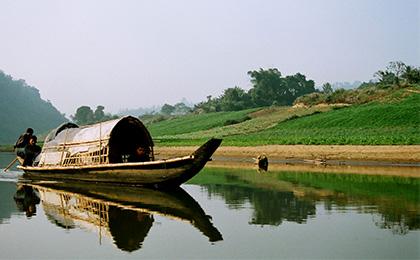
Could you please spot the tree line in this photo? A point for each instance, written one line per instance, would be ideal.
(85, 115)
(269, 88)
(396, 75)
(21, 106)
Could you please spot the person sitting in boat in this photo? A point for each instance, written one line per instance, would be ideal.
(141, 154)
(22, 141)
(32, 150)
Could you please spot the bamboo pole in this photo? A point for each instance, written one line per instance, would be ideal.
(64, 148)
(100, 143)
(10, 164)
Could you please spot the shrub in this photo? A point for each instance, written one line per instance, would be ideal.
(236, 121)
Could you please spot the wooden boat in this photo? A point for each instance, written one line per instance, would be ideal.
(124, 213)
(109, 152)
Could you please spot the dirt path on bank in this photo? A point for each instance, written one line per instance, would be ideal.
(380, 153)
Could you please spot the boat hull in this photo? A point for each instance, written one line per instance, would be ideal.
(161, 173)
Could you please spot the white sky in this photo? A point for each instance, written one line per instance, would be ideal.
(130, 54)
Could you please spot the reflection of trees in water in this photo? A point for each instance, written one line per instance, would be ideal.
(398, 219)
(397, 215)
(234, 196)
(396, 199)
(271, 207)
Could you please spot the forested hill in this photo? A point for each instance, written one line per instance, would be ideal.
(21, 107)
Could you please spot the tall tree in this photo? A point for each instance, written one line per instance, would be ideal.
(167, 109)
(181, 109)
(211, 105)
(392, 74)
(268, 86)
(397, 67)
(84, 115)
(297, 86)
(234, 99)
(327, 88)
(411, 74)
(99, 113)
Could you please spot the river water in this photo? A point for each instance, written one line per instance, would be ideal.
(221, 213)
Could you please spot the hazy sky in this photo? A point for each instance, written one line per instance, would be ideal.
(130, 54)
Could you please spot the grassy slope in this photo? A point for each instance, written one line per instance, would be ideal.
(194, 123)
(396, 121)
(193, 129)
(373, 123)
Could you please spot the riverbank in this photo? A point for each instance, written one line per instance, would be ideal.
(388, 160)
(382, 153)
(6, 148)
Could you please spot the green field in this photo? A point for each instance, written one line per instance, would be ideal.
(393, 119)
(375, 123)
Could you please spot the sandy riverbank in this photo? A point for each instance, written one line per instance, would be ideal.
(384, 153)
(374, 157)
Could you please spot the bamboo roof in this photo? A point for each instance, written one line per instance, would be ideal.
(111, 138)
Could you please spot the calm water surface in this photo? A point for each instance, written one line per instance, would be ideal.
(221, 213)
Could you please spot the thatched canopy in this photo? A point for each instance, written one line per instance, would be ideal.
(113, 141)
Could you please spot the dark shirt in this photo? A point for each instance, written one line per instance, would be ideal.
(23, 140)
(141, 154)
(31, 152)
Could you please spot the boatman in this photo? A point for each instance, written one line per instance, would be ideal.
(22, 142)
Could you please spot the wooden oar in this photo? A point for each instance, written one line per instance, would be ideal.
(10, 164)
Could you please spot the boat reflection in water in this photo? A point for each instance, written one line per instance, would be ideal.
(26, 200)
(124, 213)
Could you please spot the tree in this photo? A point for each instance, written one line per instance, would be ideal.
(411, 75)
(393, 73)
(327, 88)
(99, 113)
(167, 109)
(385, 77)
(181, 109)
(84, 115)
(268, 86)
(234, 99)
(397, 68)
(297, 86)
(211, 105)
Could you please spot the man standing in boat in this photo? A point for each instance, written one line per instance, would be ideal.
(22, 142)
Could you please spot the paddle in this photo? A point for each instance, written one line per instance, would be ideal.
(10, 164)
